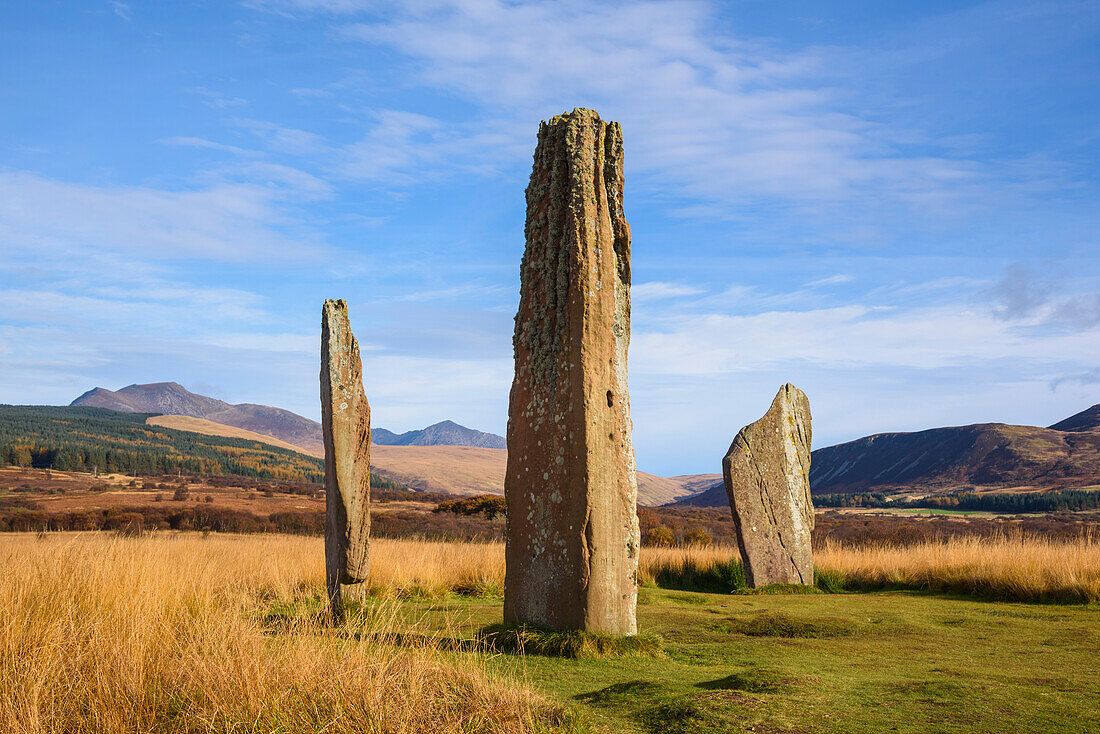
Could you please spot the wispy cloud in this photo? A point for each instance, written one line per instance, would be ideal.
(725, 121)
(463, 291)
(121, 9)
(217, 100)
(658, 290)
(837, 279)
(1092, 377)
(1023, 296)
(223, 221)
(849, 337)
(192, 142)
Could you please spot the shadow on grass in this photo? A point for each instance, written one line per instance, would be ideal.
(753, 680)
(778, 624)
(666, 709)
(528, 640)
(728, 577)
(970, 589)
(715, 578)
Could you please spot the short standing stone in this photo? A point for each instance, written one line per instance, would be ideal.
(346, 427)
(767, 474)
(572, 554)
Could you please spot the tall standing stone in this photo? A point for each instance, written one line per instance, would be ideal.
(345, 420)
(572, 555)
(767, 475)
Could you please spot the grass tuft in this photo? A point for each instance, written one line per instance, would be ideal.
(618, 691)
(830, 580)
(528, 640)
(779, 589)
(691, 574)
(778, 624)
(664, 709)
(753, 680)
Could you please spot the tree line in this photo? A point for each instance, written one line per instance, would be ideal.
(1057, 500)
(87, 439)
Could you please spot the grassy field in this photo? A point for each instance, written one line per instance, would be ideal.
(824, 663)
(223, 633)
(175, 634)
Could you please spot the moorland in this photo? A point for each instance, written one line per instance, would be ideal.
(184, 632)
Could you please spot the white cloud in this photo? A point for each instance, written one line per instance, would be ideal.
(192, 142)
(458, 292)
(412, 392)
(717, 119)
(1021, 295)
(837, 279)
(850, 338)
(658, 290)
(223, 221)
(121, 9)
(285, 139)
(217, 100)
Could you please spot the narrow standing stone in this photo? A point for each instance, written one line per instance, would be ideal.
(767, 475)
(572, 555)
(345, 420)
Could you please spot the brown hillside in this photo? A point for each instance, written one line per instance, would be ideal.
(173, 399)
(463, 470)
(210, 428)
(985, 456)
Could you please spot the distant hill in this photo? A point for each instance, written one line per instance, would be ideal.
(986, 454)
(461, 470)
(210, 428)
(171, 398)
(1087, 420)
(82, 438)
(174, 399)
(446, 433)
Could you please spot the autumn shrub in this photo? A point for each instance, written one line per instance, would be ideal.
(660, 536)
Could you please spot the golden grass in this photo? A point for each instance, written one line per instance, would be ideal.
(167, 634)
(1023, 569)
(210, 428)
(174, 633)
(401, 568)
(433, 568)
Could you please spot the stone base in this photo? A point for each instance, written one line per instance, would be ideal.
(346, 595)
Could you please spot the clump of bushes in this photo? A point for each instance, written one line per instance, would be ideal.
(489, 505)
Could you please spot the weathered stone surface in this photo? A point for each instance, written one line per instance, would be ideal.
(346, 427)
(767, 475)
(572, 554)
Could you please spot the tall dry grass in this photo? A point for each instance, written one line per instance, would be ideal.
(1012, 568)
(171, 633)
(401, 568)
(167, 634)
(1020, 569)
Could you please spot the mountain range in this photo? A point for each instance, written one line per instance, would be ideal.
(444, 433)
(171, 398)
(447, 457)
(1066, 453)
(444, 457)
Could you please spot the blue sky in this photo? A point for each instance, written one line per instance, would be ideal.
(894, 206)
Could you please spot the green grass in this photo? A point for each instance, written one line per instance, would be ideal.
(937, 511)
(858, 662)
(527, 640)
